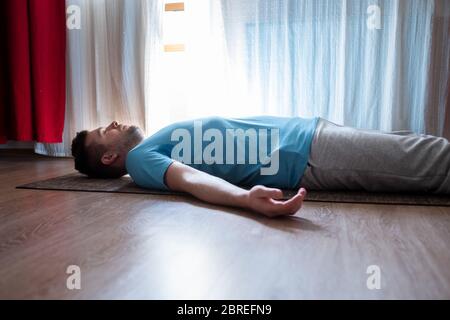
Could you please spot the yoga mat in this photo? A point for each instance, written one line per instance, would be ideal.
(79, 182)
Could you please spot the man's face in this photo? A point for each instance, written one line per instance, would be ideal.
(115, 137)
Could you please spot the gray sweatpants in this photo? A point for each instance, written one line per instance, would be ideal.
(344, 158)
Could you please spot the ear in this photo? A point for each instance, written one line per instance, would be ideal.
(109, 157)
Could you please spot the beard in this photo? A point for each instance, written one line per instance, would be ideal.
(132, 136)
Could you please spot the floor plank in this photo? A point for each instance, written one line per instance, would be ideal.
(157, 247)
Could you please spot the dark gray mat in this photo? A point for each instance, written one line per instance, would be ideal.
(79, 182)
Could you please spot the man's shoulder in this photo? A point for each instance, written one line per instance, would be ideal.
(132, 157)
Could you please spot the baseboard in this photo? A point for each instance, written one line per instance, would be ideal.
(18, 145)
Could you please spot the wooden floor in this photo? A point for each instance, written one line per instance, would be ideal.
(158, 247)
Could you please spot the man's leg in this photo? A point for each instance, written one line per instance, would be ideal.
(344, 158)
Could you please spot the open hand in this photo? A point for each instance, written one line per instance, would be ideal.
(264, 200)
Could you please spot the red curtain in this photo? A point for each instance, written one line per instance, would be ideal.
(32, 70)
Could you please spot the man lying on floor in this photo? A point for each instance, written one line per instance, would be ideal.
(212, 158)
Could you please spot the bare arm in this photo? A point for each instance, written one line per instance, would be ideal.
(180, 177)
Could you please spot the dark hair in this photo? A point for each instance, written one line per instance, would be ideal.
(88, 158)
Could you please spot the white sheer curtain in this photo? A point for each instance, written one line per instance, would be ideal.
(312, 58)
(107, 63)
(279, 57)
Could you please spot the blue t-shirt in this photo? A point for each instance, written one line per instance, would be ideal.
(266, 150)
